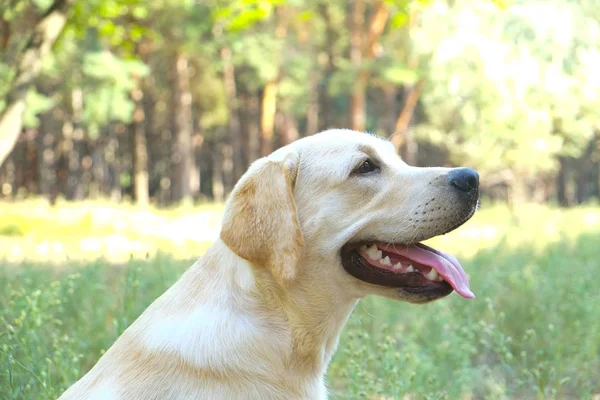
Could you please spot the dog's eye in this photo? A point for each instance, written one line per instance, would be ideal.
(366, 167)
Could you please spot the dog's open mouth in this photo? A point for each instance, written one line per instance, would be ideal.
(414, 268)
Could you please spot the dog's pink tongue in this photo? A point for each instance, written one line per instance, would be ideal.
(446, 265)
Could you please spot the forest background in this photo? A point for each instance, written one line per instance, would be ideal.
(172, 100)
(124, 125)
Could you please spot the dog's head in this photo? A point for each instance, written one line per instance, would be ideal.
(341, 207)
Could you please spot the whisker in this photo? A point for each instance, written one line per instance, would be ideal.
(392, 135)
(405, 133)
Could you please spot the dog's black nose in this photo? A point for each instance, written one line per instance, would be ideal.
(464, 179)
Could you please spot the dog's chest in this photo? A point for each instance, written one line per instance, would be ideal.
(218, 337)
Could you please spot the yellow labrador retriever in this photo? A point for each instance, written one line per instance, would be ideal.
(307, 232)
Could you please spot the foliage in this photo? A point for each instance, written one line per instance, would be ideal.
(111, 79)
(36, 104)
(532, 330)
(43, 342)
(508, 88)
(500, 88)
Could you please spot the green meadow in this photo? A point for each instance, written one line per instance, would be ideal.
(73, 277)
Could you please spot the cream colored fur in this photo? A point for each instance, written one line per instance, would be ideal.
(259, 315)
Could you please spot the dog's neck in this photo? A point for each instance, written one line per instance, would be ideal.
(305, 317)
(317, 316)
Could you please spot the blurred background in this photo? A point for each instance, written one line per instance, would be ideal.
(124, 125)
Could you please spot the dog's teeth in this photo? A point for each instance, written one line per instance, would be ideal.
(386, 261)
(440, 278)
(364, 247)
(410, 268)
(374, 253)
(397, 266)
(432, 275)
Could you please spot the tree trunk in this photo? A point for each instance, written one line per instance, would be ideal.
(582, 182)
(249, 122)
(196, 175)
(140, 149)
(253, 151)
(404, 142)
(409, 152)
(28, 65)
(540, 188)
(47, 149)
(158, 165)
(269, 100)
(312, 114)
(390, 93)
(205, 162)
(267, 119)
(235, 132)
(289, 129)
(357, 99)
(364, 50)
(218, 186)
(139, 142)
(225, 168)
(68, 157)
(327, 107)
(75, 146)
(585, 165)
(561, 183)
(62, 166)
(596, 176)
(98, 168)
(358, 116)
(32, 178)
(596, 181)
(8, 186)
(113, 166)
(312, 111)
(518, 191)
(19, 159)
(181, 156)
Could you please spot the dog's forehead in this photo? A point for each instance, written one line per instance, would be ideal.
(345, 142)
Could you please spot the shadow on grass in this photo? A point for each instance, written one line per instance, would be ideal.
(532, 331)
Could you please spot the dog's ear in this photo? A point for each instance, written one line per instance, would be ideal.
(261, 223)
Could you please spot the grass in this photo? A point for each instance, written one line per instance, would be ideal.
(532, 332)
(34, 231)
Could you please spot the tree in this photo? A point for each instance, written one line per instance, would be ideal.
(510, 95)
(181, 155)
(43, 34)
(364, 42)
(130, 104)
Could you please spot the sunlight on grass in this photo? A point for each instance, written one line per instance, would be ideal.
(34, 231)
(532, 331)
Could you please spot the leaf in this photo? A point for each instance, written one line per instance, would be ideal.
(140, 12)
(137, 32)
(37, 104)
(247, 18)
(305, 15)
(399, 75)
(503, 4)
(399, 20)
(107, 29)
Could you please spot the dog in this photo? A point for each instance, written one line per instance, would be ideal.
(307, 232)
